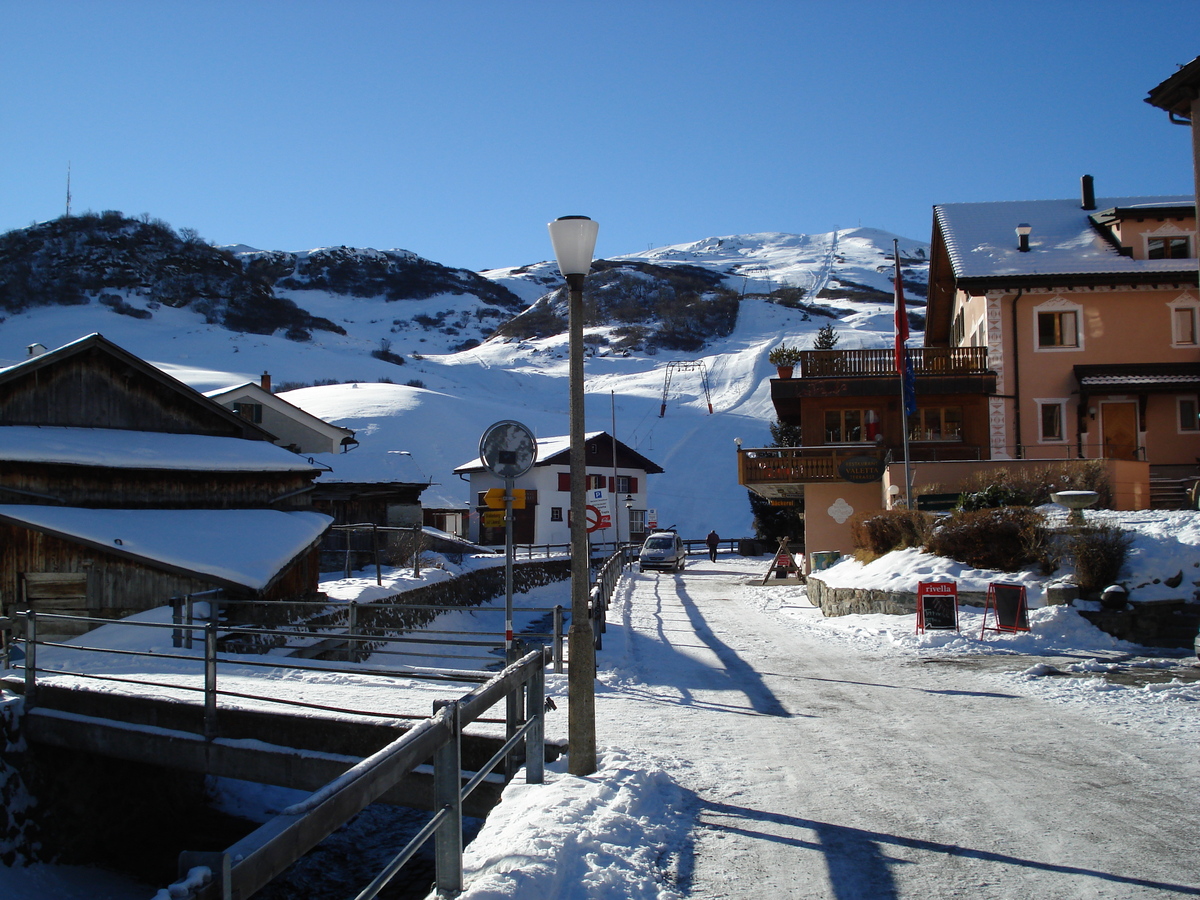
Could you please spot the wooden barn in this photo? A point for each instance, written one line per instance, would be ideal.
(121, 487)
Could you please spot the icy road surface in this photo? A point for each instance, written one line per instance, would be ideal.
(819, 770)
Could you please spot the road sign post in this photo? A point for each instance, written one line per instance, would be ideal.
(508, 450)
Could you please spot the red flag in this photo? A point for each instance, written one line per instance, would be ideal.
(901, 315)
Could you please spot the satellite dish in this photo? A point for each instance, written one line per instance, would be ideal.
(508, 449)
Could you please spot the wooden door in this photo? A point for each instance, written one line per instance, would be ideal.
(1119, 429)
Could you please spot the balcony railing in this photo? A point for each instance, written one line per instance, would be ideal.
(765, 466)
(880, 362)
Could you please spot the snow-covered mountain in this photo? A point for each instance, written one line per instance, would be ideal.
(407, 382)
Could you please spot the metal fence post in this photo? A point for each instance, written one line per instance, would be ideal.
(375, 554)
(352, 632)
(189, 618)
(177, 621)
(535, 711)
(447, 795)
(30, 657)
(210, 680)
(558, 639)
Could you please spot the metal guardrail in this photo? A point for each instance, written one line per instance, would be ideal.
(357, 626)
(248, 865)
(603, 585)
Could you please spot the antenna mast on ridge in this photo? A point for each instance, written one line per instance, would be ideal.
(68, 189)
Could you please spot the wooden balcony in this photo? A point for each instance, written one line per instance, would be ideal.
(782, 472)
(872, 373)
(882, 362)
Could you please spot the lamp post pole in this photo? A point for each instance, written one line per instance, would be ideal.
(574, 239)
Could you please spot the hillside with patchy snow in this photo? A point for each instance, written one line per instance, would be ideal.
(410, 384)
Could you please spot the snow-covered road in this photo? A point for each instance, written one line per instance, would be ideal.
(819, 771)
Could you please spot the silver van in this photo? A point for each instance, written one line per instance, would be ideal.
(662, 550)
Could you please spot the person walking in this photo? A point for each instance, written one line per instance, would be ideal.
(712, 540)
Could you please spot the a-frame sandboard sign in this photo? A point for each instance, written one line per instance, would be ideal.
(783, 563)
(937, 606)
(1006, 603)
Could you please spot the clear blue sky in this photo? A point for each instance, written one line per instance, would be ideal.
(457, 129)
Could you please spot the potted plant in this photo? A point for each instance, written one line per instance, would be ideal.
(784, 359)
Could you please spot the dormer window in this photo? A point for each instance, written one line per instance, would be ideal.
(1168, 248)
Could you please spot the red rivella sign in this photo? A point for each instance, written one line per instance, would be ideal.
(937, 606)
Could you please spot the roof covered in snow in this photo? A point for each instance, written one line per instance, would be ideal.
(981, 238)
(240, 547)
(554, 450)
(121, 449)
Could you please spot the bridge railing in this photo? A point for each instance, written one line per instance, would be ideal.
(603, 585)
(251, 863)
(356, 630)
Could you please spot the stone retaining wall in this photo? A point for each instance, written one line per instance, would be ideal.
(835, 601)
(1166, 623)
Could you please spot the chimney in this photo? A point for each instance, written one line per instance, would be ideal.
(35, 349)
(266, 382)
(1023, 237)
(1088, 192)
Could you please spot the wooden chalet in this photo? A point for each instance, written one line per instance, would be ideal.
(847, 404)
(121, 487)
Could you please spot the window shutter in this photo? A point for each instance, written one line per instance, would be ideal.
(564, 481)
(633, 486)
(612, 484)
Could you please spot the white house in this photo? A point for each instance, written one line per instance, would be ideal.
(382, 487)
(612, 466)
(292, 427)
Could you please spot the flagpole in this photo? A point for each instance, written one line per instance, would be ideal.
(904, 427)
(902, 364)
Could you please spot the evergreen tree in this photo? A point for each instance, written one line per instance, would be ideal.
(826, 338)
(773, 522)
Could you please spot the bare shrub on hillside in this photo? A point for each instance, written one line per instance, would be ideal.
(1005, 539)
(892, 529)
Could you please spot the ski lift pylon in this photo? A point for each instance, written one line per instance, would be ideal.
(685, 367)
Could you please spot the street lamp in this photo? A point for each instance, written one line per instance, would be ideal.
(574, 240)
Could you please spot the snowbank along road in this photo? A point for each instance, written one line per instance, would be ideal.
(822, 771)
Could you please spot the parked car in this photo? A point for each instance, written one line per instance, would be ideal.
(662, 550)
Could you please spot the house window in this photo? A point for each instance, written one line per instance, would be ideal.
(623, 485)
(596, 482)
(1183, 323)
(251, 411)
(556, 514)
(1189, 414)
(1058, 329)
(936, 423)
(637, 521)
(1051, 418)
(1167, 248)
(851, 426)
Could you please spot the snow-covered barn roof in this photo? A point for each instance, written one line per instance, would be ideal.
(123, 449)
(240, 547)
